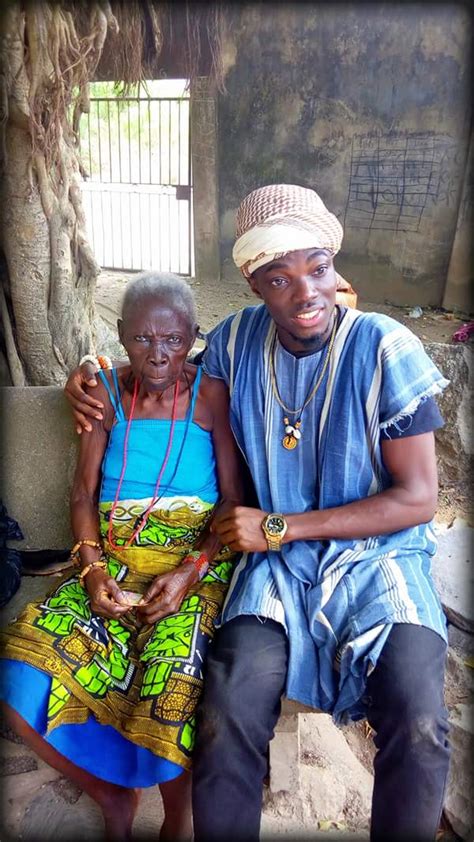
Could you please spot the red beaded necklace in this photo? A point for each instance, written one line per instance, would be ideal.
(141, 521)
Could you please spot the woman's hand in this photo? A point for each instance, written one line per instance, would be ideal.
(106, 597)
(166, 593)
(83, 405)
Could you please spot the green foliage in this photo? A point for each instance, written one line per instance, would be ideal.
(135, 137)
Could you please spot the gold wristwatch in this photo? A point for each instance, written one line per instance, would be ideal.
(274, 526)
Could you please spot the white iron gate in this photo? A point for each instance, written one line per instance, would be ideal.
(138, 198)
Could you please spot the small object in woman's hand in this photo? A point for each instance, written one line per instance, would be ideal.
(132, 598)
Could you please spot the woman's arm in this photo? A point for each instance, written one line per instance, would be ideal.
(104, 592)
(410, 500)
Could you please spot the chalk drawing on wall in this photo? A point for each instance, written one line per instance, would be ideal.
(394, 178)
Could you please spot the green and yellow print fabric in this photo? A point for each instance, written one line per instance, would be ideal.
(172, 528)
(144, 681)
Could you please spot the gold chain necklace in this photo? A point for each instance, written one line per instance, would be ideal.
(293, 431)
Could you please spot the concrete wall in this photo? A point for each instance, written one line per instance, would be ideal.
(204, 168)
(459, 291)
(370, 105)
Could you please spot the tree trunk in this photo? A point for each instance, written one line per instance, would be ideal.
(51, 271)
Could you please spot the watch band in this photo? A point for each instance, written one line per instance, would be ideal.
(273, 542)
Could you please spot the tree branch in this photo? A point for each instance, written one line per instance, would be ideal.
(3, 120)
(48, 199)
(14, 362)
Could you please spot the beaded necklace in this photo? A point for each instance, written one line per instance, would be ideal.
(293, 431)
(141, 519)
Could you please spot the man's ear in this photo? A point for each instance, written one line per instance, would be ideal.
(253, 284)
(120, 329)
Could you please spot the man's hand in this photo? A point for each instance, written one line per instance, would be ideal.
(83, 406)
(106, 597)
(166, 593)
(240, 528)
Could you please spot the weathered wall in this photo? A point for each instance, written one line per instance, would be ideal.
(369, 104)
(459, 285)
(38, 453)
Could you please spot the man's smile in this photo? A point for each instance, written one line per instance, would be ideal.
(309, 317)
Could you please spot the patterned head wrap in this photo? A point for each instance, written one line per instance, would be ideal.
(279, 218)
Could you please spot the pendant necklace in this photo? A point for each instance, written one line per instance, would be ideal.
(293, 430)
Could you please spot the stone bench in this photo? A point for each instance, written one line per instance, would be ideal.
(285, 748)
(38, 451)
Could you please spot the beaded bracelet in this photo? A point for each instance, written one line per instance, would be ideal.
(87, 542)
(200, 561)
(87, 569)
(104, 361)
(101, 361)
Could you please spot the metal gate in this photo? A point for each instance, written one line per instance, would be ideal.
(138, 199)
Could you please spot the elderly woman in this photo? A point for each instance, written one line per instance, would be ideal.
(102, 677)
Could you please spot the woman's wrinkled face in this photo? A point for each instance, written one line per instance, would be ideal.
(157, 340)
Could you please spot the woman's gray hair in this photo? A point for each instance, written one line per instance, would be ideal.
(170, 289)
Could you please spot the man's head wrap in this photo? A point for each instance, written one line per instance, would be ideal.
(279, 218)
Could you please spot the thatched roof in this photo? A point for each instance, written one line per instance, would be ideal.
(178, 39)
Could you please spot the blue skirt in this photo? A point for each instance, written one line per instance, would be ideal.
(99, 749)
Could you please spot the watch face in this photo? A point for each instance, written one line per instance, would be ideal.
(275, 525)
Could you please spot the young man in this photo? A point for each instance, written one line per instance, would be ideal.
(332, 602)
